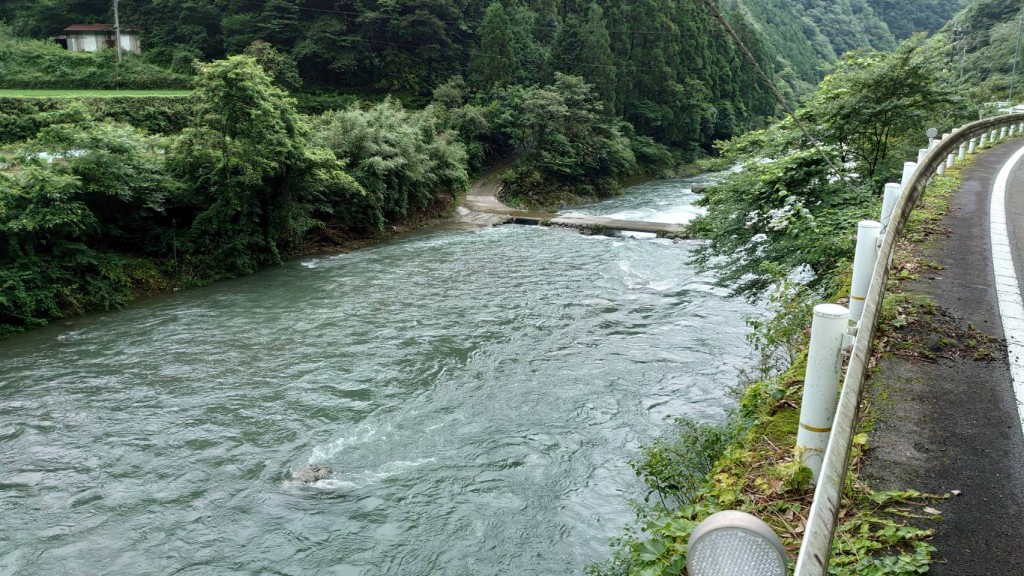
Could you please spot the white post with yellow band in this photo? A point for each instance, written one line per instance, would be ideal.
(821, 384)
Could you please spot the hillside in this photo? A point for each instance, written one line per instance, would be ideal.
(908, 17)
(981, 41)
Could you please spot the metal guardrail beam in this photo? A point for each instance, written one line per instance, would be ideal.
(821, 522)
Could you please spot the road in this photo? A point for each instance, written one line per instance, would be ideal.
(952, 424)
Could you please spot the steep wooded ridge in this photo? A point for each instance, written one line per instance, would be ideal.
(981, 40)
(648, 59)
(584, 94)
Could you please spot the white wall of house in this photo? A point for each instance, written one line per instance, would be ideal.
(93, 41)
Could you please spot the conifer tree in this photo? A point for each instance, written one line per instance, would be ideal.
(494, 64)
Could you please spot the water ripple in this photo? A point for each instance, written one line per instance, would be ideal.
(477, 394)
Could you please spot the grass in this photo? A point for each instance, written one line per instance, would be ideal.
(90, 93)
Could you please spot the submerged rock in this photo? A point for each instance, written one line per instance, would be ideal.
(311, 474)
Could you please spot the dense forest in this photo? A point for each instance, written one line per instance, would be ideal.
(981, 41)
(314, 123)
(369, 115)
(411, 47)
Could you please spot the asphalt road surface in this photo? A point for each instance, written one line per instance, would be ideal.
(952, 424)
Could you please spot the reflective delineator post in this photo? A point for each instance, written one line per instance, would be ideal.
(973, 144)
(908, 171)
(864, 259)
(892, 194)
(821, 384)
(962, 152)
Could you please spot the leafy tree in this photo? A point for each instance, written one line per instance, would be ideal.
(783, 214)
(327, 51)
(254, 182)
(121, 178)
(78, 207)
(279, 66)
(788, 212)
(401, 158)
(564, 142)
(875, 100)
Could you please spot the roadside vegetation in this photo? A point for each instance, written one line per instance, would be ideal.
(781, 229)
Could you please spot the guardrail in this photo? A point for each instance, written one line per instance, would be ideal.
(821, 522)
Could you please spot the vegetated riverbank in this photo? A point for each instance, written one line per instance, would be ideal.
(218, 394)
(749, 464)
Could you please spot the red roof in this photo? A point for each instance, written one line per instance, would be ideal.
(95, 28)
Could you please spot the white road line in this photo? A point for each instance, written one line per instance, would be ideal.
(1011, 306)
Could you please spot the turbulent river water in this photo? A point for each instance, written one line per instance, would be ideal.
(478, 395)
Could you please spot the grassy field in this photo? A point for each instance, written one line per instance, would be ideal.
(89, 93)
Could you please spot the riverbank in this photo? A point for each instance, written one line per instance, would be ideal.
(419, 370)
(748, 463)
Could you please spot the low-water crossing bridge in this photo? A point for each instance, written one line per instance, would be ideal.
(482, 207)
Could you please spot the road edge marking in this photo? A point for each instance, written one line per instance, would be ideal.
(1011, 306)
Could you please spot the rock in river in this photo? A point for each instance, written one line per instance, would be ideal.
(311, 474)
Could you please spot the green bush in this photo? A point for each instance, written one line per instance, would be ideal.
(74, 230)
(404, 159)
(23, 118)
(38, 64)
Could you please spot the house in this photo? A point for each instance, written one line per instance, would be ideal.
(93, 37)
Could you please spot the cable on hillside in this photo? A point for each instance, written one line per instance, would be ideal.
(771, 88)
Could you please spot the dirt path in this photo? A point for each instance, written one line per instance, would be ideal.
(950, 423)
(481, 206)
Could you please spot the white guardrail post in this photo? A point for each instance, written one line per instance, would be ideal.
(892, 194)
(819, 413)
(908, 171)
(864, 258)
(821, 384)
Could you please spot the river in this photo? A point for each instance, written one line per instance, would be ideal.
(478, 394)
